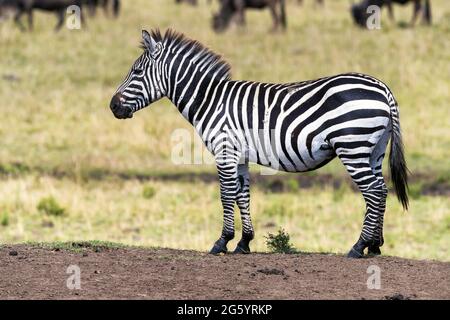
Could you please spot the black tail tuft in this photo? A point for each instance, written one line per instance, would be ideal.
(397, 163)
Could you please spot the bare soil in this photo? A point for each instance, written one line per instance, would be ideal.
(32, 272)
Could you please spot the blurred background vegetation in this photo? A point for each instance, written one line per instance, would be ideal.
(70, 171)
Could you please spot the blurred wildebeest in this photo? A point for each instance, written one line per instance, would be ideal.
(192, 2)
(317, 2)
(230, 9)
(107, 5)
(21, 7)
(360, 14)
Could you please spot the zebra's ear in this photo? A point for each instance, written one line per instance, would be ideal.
(151, 45)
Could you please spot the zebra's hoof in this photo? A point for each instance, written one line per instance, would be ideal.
(374, 251)
(354, 254)
(242, 248)
(220, 247)
(357, 251)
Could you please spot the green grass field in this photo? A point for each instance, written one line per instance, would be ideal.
(59, 139)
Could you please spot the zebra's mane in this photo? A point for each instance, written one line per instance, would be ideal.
(212, 61)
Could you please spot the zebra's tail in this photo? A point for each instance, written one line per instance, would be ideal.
(397, 161)
(283, 13)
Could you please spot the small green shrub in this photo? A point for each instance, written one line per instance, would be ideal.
(4, 221)
(148, 192)
(279, 243)
(339, 193)
(415, 190)
(292, 185)
(13, 168)
(443, 177)
(276, 209)
(50, 207)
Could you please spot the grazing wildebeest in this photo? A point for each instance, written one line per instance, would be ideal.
(320, 2)
(360, 14)
(230, 9)
(107, 5)
(21, 7)
(292, 127)
(192, 2)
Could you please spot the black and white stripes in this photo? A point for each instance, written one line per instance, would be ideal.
(292, 127)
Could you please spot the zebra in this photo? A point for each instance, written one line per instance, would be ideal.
(293, 127)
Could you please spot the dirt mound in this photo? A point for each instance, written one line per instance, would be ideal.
(134, 273)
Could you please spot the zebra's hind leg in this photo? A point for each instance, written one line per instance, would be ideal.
(243, 202)
(362, 174)
(374, 248)
(361, 151)
(373, 194)
(376, 163)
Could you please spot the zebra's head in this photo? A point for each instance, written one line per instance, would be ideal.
(142, 86)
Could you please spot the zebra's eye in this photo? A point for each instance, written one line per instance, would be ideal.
(138, 70)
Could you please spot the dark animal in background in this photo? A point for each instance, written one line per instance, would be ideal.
(192, 2)
(107, 5)
(3, 11)
(21, 7)
(360, 15)
(235, 9)
(320, 2)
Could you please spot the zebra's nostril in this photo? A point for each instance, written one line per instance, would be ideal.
(117, 108)
(115, 102)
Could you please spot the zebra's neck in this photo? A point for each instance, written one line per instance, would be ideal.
(192, 75)
(191, 98)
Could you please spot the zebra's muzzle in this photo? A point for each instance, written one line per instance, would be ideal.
(119, 111)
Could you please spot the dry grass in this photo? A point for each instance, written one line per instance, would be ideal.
(180, 216)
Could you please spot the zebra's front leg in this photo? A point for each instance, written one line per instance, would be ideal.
(243, 202)
(228, 192)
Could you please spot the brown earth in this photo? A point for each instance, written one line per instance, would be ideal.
(31, 272)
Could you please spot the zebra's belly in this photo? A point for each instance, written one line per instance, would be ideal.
(300, 141)
(281, 155)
